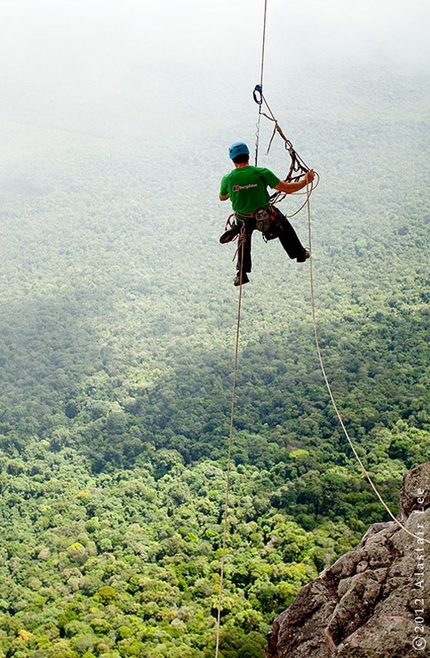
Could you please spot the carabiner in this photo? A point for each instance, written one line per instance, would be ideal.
(258, 94)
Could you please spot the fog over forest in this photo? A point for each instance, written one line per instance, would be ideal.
(174, 80)
(59, 60)
(118, 313)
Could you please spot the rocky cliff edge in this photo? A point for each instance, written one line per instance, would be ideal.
(374, 602)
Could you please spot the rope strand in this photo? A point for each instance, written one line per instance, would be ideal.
(263, 45)
(327, 383)
(299, 162)
(263, 49)
(333, 401)
(230, 445)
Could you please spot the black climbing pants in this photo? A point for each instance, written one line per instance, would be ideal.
(279, 227)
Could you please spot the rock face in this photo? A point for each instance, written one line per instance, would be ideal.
(373, 602)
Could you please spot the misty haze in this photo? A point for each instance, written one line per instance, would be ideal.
(118, 314)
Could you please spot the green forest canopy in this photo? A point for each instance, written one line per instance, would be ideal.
(116, 355)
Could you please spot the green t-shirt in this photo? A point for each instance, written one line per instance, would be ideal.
(247, 188)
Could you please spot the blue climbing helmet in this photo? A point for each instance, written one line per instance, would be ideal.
(238, 148)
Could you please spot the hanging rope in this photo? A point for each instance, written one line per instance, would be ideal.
(333, 401)
(258, 91)
(233, 396)
(327, 383)
(242, 238)
(297, 169)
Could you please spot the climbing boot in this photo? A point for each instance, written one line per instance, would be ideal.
(303, 257)
(230, 234)
(237, 281)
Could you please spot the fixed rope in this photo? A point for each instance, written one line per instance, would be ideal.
(258, 91)
(242, 238)
(365, 472)
(327, 383)
(297, 169)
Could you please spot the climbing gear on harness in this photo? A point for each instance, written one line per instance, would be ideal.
(238, 148)
(231, 230)
(262, 219)
(277, 220)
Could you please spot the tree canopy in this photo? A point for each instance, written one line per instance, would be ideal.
(116, 356)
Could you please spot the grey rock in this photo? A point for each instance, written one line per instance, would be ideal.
(367, 604)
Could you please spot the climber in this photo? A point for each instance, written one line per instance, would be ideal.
(246, 186)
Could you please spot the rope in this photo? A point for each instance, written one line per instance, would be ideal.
(327, 383)
(333, 401)
(263, 45)
(297, 165)
(230, 445)
(260, 88)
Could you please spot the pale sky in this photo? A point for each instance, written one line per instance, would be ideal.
(91, 46)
